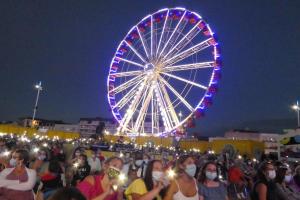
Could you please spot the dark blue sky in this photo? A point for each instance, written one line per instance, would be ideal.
(68, 45)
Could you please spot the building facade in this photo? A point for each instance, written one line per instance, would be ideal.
(67, 127)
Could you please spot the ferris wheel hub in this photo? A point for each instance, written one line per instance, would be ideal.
(149, 66)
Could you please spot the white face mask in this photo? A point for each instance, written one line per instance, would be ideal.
(288, 178)
(271, 174)
(13, 162)
(138, 162)
(210, 175)
(191, 170)
(157, 175)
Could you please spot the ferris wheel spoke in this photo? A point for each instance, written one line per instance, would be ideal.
(162, 108)
(177, 94)
(143, 110)
(133, 105)
(188, 66)
(129, 61)
(185, 80)
(162, 33)
(178, 26)
(127, 84)
(126, 98)
(142, 39)
(129, 73)
(169, 104)
(135, 51)
(151, 38)
(152, 114)
(184, 40)
(189, 52)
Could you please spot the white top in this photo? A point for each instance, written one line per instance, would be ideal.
(15, 184)
(95, 164)
(179, 196)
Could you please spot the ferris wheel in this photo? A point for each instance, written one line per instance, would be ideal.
(164, 72)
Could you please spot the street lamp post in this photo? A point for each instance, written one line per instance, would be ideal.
(39, 89)
(297, 109)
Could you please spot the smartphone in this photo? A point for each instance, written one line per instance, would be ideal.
(113, 173)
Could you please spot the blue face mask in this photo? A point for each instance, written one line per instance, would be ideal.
(211, 175)
(191, 170)
(13, 162)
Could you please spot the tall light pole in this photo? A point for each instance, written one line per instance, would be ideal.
(39, 88)
(297, 109)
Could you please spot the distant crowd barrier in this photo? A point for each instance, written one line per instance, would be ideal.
(243, 147)
(31, 132)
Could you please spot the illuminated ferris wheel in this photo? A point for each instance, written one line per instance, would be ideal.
(164, 72)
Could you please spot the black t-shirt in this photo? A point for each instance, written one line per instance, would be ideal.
(271, 190)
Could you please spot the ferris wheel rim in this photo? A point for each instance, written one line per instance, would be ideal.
(212, 81)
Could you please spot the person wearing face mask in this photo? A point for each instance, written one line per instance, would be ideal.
(41, 162)
(151, 186)
(264, 187)
(142, 165)
(100, 187)
(75, 156)
(210, 188)
(40, 165)
(95, 163)
(127, 163)
(17, 182)
(283, 178)
(81, 169)
(184, 186)
(295, 182)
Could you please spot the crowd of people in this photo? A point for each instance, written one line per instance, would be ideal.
(44, 169)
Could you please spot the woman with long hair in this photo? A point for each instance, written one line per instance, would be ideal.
(184, 186)
(151, 186)
(81, 169)
(17, 182)
(283, 178)
(101, 187)
(264, 187)
(210, 187)
(295, 182)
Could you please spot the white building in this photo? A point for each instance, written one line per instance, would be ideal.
(67, 127)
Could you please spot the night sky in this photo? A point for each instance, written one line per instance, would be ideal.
(68, 45)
